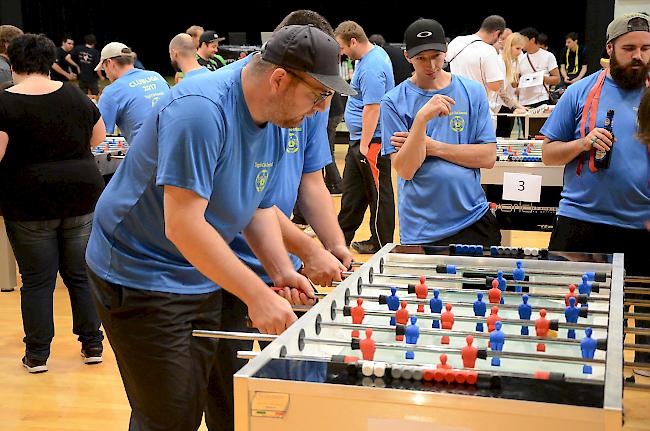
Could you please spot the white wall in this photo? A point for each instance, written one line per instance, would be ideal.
(628, 6)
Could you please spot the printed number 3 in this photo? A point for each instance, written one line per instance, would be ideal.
(521, 186)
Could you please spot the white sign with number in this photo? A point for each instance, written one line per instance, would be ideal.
(522, 187)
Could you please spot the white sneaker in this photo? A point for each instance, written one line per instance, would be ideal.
(310, 232)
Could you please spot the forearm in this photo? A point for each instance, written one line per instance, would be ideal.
(412, 153)
(369, 120)
(58, 69)
(317, 207)
(264, 237)
(582, 73)
(467, 155)
(563, 72)
(553, 78)
(295, 240)
(558, 153)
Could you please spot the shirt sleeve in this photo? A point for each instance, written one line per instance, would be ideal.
(391, 122)
(552, 62)
(191, 133)
(373, 86)
(108, 108)
(485, 133)
(317, 147)
(492, 69)
(561, 125)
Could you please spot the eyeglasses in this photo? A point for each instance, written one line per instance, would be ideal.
(321, 96)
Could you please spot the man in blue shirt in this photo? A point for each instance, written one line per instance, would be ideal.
(132, 94)
(437, 129)
(605, 210)
(196, 175)
(366, 176)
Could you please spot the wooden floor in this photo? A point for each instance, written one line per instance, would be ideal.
(73, 396)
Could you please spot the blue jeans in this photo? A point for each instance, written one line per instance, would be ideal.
(43, 248)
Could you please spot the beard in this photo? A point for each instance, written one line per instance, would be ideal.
(175, 66)
(625, 76)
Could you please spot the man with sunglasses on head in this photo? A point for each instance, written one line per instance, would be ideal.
(132, 94)
(197, 174)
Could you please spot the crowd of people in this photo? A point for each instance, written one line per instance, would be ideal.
(195, 225)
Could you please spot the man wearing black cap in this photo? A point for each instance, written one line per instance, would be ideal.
(437, 129)
(605, 210)
(206, 54)
(196, 175)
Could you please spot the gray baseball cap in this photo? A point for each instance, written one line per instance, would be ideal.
(627, 23)
(308, 49)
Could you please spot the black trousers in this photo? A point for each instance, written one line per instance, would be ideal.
(570, 234)
(484, 231)
(168, 374)
(367, 183)
(332, 174)
(504, 124)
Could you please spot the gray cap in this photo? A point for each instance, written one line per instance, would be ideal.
(308, 49)
(627, 23)
(112, 50)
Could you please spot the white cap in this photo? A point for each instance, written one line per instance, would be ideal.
(111, 50)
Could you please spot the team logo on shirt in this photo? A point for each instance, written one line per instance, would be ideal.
(261, 180)
(293, 143)
(457, 123)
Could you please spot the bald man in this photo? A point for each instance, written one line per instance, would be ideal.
(182, 55)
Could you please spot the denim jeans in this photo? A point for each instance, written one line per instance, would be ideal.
(43, 248)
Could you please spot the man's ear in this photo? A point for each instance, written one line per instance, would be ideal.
(279, 78)
(610, 49)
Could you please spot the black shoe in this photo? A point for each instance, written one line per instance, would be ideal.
(92, 355)
(365, 247)
(34, 366)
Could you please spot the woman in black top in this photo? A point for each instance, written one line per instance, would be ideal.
(49, 184)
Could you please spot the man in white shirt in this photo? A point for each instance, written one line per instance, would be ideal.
(474, 57)
(536, 59)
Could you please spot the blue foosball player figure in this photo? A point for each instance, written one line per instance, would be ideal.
(518, 274)
(588, 349)
(393, 304)
(585, 287)
(412, 335)
(525, 311)
(497, 340)
(436, 307)
(572, 313)
(503, 284)
(479, 310)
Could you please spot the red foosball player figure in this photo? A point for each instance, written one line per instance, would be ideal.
(402, 318)
(572, 293)
(367, 346)
(469, 353)
(357, 313)
(542, 326)
(421, 292)
(447, 320)
(443, 363)
(494, 294)
(493, 318)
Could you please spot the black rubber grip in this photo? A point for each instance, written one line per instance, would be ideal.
(441, 269)
(354, 344)
(347, 311)
(452, 248)
(556, 376)
(339, 359)
(481, 354)
(411, 288)
(382, 299)
(400, 330)
(582, 298)
(601, 344)
(600, 277)
(554, 325)
(595, 287)
(584, 312)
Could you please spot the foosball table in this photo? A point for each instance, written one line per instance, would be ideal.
(449, 338)
(109, 154)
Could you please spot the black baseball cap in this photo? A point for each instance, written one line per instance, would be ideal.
(424, 35)
(308, 49)
(209, 36)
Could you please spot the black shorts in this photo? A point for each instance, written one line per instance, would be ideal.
(92, 86)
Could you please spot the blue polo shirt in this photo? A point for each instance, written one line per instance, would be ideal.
(202, 138)
(130, 99)
(442, 198)
(372, 78)
(617, 196)
(307, 151)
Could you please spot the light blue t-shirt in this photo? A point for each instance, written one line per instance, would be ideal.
(442, 198)
(307, 151)
(619, 195)
(202, 138)
(372, 78)
(130, 99)
(195, 72)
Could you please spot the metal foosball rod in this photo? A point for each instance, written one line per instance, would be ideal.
(581, 299)
(481, 281)
(555, 324)
(637, 316)
(444, 269)
(382, 300)
(639, 302)
(602, 345)
(636, 290)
